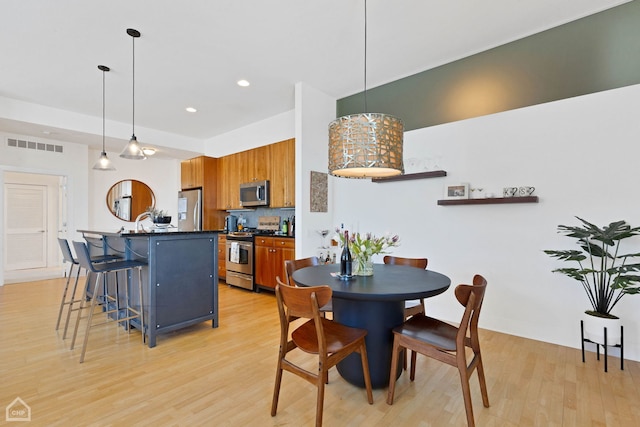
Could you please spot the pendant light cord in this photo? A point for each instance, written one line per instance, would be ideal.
(133, 95)
(103, 104)
(365, 56)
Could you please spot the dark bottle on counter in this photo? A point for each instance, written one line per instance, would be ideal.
(345, 257)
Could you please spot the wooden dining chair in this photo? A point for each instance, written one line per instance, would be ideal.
(411, 307)
(446, 343)
(331, 341)
(291, 265)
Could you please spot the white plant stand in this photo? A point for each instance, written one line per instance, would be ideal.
(604, 346)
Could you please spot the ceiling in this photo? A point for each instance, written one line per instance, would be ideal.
(192, 53)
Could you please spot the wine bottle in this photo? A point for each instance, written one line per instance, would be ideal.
(345, 257)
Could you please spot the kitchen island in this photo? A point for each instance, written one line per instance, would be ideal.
(180, 281)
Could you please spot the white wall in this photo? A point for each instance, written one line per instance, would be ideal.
(274, 129)
(314, 111)
(580, 154)
(161, 175)
(71, 164)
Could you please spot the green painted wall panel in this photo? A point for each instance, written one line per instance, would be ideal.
(595, 53)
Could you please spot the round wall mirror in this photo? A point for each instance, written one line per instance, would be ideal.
(129, 198)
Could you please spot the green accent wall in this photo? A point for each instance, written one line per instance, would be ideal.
(592, 54)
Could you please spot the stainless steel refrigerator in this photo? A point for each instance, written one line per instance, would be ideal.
(190, 210)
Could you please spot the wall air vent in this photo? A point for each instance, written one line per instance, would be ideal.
(30, 145)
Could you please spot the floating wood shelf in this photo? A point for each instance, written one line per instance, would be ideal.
(410, 176)
(489, 201)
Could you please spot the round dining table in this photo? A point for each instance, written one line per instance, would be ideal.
(375, 303)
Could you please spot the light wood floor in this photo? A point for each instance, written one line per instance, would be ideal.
(224, 377)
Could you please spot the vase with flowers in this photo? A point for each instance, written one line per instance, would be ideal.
(364, 246)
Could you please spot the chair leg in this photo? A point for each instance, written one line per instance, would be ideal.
(142, 329)
(63, 302)
(365, 371)
(72, 302)
(320, 397)
(276, 388)
(483, 384)
(394, 369)
(466, 394)
(83, 305)
(412, 375)
(94, 298)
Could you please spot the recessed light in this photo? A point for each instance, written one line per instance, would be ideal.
(243, 83)
(191, 109)
(148, 151)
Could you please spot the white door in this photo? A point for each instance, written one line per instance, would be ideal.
(25, 226)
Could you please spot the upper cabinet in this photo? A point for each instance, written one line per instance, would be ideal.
(282, 176)
(255, 164)
(192, 173)
(229, 182)
(274, 162)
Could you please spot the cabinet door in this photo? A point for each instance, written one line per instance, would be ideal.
(229, 182)
(192, 173)
(283, 249)
(260, 160)
(282, 173)
(264, 273)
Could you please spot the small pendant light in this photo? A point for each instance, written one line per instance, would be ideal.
(133, 150)
(103, 163)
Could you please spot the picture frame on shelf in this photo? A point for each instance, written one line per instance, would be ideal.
(457, 191)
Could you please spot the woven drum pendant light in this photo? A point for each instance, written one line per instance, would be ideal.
(366, 145)
(103, 163)
(133, 150)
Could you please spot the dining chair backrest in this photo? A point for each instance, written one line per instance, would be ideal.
(471, 297)
(66, 251)
(82, 254)
(95, 245)
(292, 265)
(411, 262)
(302, 301)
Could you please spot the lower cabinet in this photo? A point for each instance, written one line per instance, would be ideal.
(270, 255)
(222, 257)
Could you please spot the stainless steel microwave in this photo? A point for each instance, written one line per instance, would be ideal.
(254, 193)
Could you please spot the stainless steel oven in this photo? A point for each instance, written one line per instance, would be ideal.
(239, 260)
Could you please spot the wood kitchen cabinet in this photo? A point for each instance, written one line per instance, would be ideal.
(255, 164)
(282, 174)
(222, 256)
(228, 183)
(274, 162)
(202, 172)
(270, 255)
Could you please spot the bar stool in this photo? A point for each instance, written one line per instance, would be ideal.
(68, 257)
(101, 270)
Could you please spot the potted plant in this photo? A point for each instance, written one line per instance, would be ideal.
(363, 247)
(605, 274)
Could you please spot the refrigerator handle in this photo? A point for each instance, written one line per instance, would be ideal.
(195, 216)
